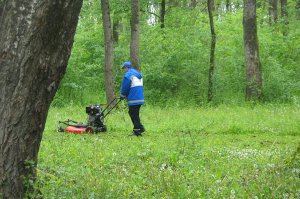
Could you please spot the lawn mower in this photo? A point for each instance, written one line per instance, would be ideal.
(95, 120)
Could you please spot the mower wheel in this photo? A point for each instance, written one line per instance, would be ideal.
(59, 128)
(89, 129)
(103, 128)
(100, 129)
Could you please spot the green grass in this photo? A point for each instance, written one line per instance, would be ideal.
(214, 152)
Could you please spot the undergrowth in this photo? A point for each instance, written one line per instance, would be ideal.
(208, 152)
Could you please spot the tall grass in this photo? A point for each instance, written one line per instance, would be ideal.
(212, 152)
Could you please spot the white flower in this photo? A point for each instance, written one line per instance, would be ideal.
(232, 192)
(295, 170)
(271, 165)
(163, 166)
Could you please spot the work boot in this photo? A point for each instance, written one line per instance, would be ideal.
(138, 133)
(142, 129)
(135, 132)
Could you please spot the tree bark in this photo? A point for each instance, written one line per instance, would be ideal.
(36, 39)
(116, 24)
(162, 13)
(108, 37)
(273, 14)
(135, 34)
(193, 3)
(210, 7)
(284, 16)
(1, 8)
(173, 3)
(253, 66)
(298, 9)
(228, 8)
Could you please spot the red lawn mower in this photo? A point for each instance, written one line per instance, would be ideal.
(95, 120)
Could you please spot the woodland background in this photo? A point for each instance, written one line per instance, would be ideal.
(174, 57)
(227, 150)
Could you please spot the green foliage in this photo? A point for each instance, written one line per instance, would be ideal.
(31, 191)
(175, 60)
(208, 152)
(280, 65)
(84, 75)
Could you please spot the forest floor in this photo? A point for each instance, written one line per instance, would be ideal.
(205, 152)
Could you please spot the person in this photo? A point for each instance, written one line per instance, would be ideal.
(132, 89)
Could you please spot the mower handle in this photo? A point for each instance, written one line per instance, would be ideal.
(112, 107)
(109, 104)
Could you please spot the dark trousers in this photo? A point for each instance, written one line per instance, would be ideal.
(134, 113)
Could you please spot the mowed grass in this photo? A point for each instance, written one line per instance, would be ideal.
(204, 152)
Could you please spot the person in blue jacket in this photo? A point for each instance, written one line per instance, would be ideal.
(132, 89)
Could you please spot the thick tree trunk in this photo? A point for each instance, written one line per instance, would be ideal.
(1, 8)
(108, 74)
(210, 7)
(162, 13)
(253, 66)
(284, 16)
(36, 39)
(135, 34)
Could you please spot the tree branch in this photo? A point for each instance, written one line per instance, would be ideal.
(149, 12)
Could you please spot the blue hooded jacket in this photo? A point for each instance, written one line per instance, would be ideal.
(132, 87)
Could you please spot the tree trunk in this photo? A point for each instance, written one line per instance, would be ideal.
(135, 34)
(193, 3)
(1, 7)
(210, 7)
(173, 3)
(273, 14)
(253, 66)
(227, 5)
(284, 16)
(36, 39)
(297, 9)
(108, 74)
(116, 30)
(162, 13)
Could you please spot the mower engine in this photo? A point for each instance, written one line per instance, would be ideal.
(95, 119)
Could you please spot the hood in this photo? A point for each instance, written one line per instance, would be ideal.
(134, 72)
